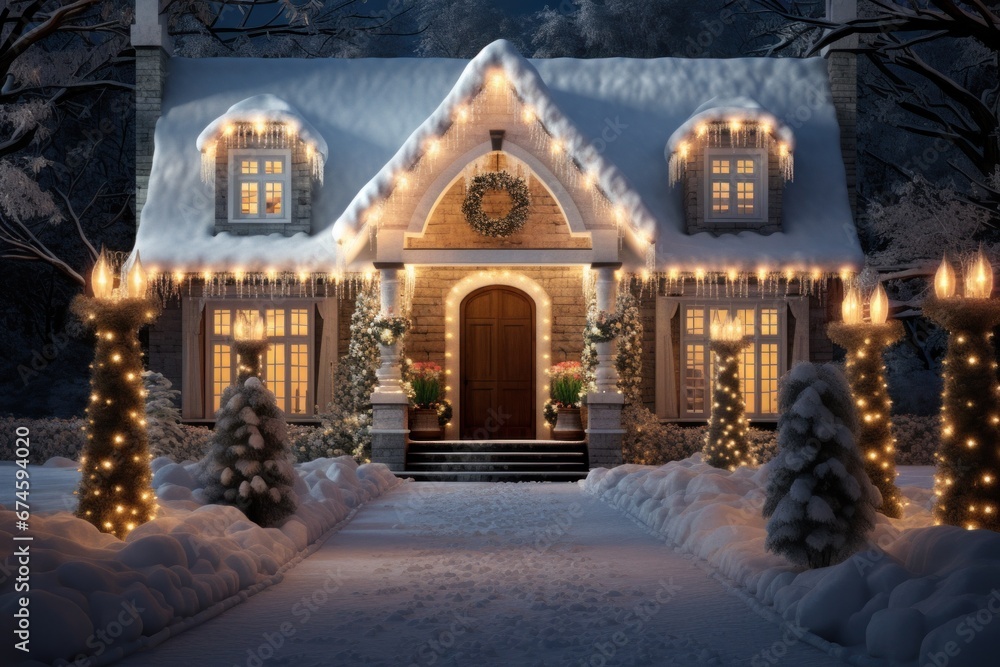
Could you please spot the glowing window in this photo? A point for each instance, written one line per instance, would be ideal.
(261, 181)
(736, 185)
(760, 364)
(287, 362)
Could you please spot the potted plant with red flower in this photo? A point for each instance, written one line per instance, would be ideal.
(427, 399)
(565, 386)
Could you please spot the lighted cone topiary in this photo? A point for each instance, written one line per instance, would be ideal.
(968, 459)
(726, 440)
(864, 342)
(820, 504)
(115, 493)
(249, 458)
(250, 345)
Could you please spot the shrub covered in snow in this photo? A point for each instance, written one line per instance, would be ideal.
(346, 426)
(250, 461)
(649, 442)
(820, 503)
(917, 438)
(65, 438)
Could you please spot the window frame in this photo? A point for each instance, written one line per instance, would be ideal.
(760, 180)
(212, 339)
(236, 179)
(780, 338)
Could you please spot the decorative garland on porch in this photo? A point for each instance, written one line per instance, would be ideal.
(520, 199)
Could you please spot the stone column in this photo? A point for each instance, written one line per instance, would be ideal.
(389, 404)
(604, 406)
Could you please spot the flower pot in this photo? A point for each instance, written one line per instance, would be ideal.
(568, 425)
(424, 424)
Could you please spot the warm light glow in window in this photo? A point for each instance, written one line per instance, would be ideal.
(260, 183)
(736, 186)
(248, 198)
(287, 363)
(273, 166)
(248, 166)
(272, 198)
(720, 197)
(760, 363)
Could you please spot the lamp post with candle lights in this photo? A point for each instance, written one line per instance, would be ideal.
(726, 440)
(250, 345)
(115, 493)
(968, 458)
(865, 341)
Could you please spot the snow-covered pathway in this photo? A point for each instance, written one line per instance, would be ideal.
(489, 574)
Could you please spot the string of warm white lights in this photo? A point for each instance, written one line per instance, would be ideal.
(726, 439)
(968, 459)
(115, 493)
(864, 342)
(732, 133)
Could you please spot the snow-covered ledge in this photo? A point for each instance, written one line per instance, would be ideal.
(543, 338)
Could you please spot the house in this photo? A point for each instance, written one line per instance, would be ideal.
(707, 187)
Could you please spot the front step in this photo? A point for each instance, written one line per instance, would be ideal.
(496, 461)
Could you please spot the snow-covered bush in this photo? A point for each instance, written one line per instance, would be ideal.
(346, 426)
(250, 464)
(650, 442)
(48, 438)
(820, 503)
(163, 419)
(917, 438)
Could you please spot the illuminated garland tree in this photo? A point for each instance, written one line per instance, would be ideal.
(864, 342)
(115, 493)
(968, 459)
(726, 441)
(250, 345)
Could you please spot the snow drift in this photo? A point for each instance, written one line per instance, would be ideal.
(919, 594)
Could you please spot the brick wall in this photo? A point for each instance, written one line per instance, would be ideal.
(564, 285)
(696, 193)
(546, 227)
(300, 198)
(150, 76)
(843, 68)
(165, 343)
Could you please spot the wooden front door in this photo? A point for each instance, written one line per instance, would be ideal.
(498, 365)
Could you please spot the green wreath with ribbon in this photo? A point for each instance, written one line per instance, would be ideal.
(520, 199)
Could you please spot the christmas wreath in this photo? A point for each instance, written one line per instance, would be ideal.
(520, 199)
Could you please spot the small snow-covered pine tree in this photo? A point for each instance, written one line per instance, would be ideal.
(249, 458)
(820, 503)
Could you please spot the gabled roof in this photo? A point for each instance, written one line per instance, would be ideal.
(616, 114)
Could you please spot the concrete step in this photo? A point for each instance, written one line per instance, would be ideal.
(496, 466)
(439, 456)
(496, 446)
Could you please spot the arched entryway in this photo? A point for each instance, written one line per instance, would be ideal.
(497, 369)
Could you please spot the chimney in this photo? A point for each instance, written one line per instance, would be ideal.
(843, 69)
(152, 49)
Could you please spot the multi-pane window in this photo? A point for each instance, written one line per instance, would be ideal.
(736, 184)
(261, 185)
(761, 362)
(286, 365)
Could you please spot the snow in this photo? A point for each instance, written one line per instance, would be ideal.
(264, 108)
(919, 594)
(192, 562)
(615, 115)
(726, 109)
(490, 574)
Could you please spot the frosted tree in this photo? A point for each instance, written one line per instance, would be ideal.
(163, 419)
(820, 503)
(346, 427)
(249, 462)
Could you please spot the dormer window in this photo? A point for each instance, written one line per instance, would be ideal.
(736, 187)
(263, 161)
(260, 185)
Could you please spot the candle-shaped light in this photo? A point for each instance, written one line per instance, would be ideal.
(726, 329)
(878, 306)
(851, 307)
(944, 280)
(136, 279)
(979, 277)
(102, 279)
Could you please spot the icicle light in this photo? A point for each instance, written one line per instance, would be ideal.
(259, 134)
(734, 133)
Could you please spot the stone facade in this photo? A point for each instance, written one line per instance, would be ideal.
(696, 192)
(545, 227)
(300, 197)
(150, 76)
(564, 285)
(166, 343)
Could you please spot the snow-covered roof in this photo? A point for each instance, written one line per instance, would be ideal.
(729, 109)
(262, 109)
(375, 114)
